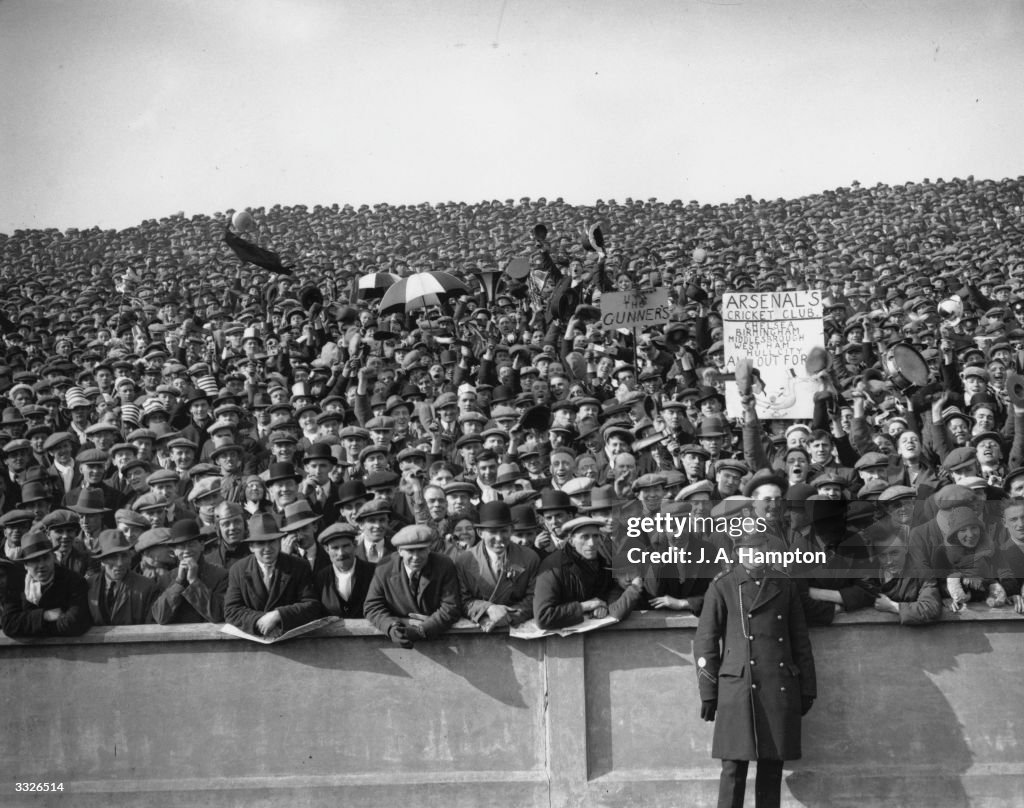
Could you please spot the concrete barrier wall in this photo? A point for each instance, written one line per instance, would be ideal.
(164, 716)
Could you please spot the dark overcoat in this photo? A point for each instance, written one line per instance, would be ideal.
(201, 601)
(133, 600)
(391, 598)
(566, 580)
(291, 594)
(68, 591)
(754, 657)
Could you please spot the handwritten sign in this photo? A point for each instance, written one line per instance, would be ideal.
(634, 309)
(775, 331)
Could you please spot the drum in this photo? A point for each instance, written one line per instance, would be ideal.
(518, 268)
(907, 368)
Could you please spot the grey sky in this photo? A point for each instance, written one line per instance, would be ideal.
(117, 111)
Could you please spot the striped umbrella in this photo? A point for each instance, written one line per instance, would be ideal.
(375, 284)
(421, 290)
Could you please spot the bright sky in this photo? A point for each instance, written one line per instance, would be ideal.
(117, 111)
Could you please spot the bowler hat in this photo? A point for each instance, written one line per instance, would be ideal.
(320, 451)
(524, 518)
(281, 471)
(494, 514)
(555, 501)
(352, 491)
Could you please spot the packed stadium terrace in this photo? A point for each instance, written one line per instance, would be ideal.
(171, 408)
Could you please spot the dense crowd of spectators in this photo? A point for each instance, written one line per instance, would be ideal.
(191, 438)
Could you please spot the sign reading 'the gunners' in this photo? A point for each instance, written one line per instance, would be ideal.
(634, 309)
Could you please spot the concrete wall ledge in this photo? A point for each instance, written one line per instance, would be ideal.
(650, 620)
(185, 715)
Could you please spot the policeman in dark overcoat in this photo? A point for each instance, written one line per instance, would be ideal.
(755, 671)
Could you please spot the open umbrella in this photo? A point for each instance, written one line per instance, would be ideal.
(375, 284)
(421, 290)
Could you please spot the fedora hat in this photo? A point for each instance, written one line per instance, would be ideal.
(262, 527)
(183, 531)
(711, 427)
(297, 515)
(602, 499)
(111, 542)
(494, 514)
(508, 473)
(34, 544)
(90, 500)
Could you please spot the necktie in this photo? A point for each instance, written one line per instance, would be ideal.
(414, 582)
(268, 578)
(111, 597)
(373, 554)
(499, 568)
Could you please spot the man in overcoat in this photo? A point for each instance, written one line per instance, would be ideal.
(497, 577)
(269, 593)
(577, 581)
(755, 671)
(117, 595)
(42, 598)
(196, 595)
(414, 594)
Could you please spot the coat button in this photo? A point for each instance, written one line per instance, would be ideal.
(753, 662)
(782, 664)
(753, 687)
(777, 617)
(780, 639)
(783, 689)
(749, 616)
